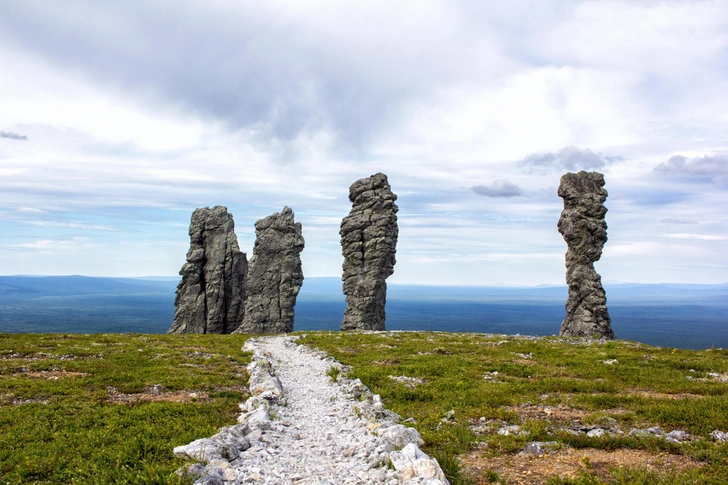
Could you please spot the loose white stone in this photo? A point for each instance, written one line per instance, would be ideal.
(416, 466)
(595, 433)
(301, 428)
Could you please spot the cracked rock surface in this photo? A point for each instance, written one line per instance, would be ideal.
(275, 275)
(300, 427)
(368, 243)
(584, 229)
(210, 296)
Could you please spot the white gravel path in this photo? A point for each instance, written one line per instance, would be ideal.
(301, 427)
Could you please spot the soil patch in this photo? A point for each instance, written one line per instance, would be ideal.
(152, 396)
(662, 395)
(51, 375)
(523, 469)
(555, 413)
(559, 413)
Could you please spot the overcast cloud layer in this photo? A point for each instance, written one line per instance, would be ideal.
(118, 119)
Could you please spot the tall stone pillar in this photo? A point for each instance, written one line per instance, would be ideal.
(275, 275)
(210, 297)
(368, 243)
(584, 229)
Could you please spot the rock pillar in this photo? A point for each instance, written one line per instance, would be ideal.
(210, 296)
(584, 229)
(275, 275)
(368, 243)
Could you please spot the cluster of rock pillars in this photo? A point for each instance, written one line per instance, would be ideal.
(222, 292)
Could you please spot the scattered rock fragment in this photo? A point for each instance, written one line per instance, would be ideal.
(417, 467)
(584, 229)
(210, 296)
(678, 436)
(275, 275)
(539, 448)
(449, 417)
(491, 376)
(513, 429)
(368, 243)
(718, 376)
(527, 356)
(225, 445)
(406, 381)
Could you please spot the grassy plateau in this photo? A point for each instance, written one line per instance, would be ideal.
(98, 409)
(105, 408)
(467, 387)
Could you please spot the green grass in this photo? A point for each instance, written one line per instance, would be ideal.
(69, 411)
(647, 386)
(69, 414)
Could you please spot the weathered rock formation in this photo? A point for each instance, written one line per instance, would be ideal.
(368, 243)
(275, 275)
(585, 231)
(211, 294)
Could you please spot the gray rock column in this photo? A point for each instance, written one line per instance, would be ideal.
(211, 294)
(275, 275)
(368, 243)
(585, 231)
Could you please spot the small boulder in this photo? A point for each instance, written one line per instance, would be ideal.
(538, 448)
(417, 467)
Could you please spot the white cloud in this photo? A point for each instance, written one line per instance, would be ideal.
(12, 136)
(571, 159)
(46, 245)
(498, 188)
(72, 225)
(705, 237)
(137, 113)
(714, 167)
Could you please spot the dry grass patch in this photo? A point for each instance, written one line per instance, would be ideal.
(569, 463)
(50, 375)
(550, 413)
(647, 393)
(152, 396)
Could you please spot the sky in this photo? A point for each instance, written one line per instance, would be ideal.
(118, 119)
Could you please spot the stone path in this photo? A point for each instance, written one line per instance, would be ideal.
(301, 427)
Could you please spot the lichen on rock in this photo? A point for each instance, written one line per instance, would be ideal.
(584, 229)
(368, 243)
(275, 275)
(211, 294)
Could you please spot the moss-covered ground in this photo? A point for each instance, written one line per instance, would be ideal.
(97, 409)
(103, 409)
(549, 387)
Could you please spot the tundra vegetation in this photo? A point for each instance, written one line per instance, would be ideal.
(462, 389)
(110, 408)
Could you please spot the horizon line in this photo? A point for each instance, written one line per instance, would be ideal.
(494, 285)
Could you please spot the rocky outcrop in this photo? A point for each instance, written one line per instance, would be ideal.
(585, 231)
(368, 243)
(211, 293)
(275, 275)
